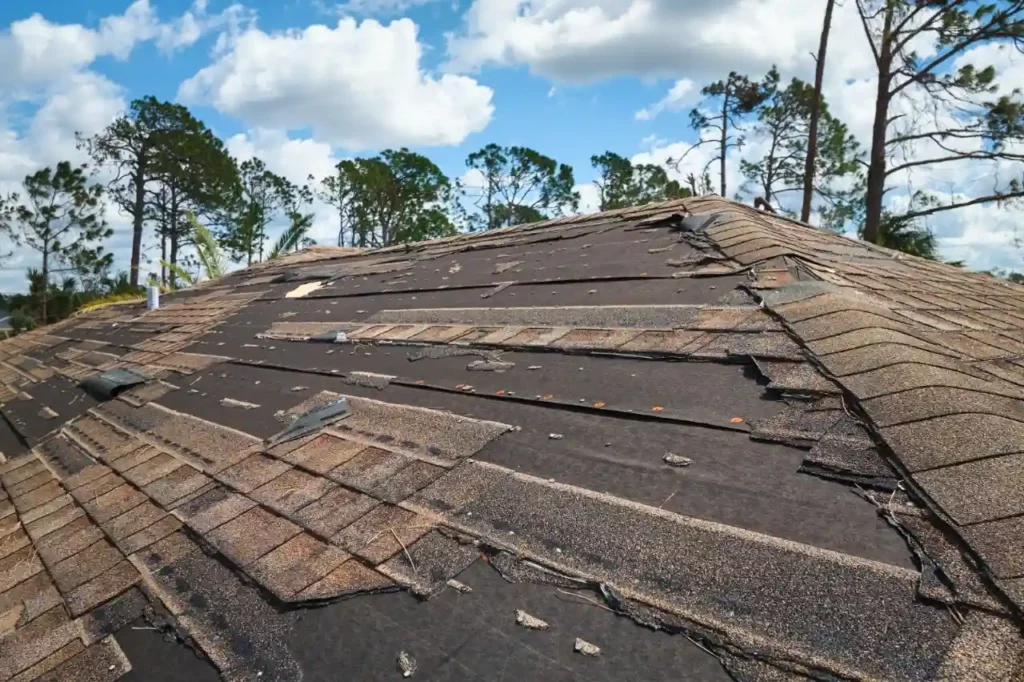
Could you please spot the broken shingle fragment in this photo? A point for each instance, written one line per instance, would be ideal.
(586, 648)
(675, 460)
(523, 619)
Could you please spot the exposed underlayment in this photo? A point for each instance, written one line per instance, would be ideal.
(779, 453)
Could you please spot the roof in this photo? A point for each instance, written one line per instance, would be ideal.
(777, 453)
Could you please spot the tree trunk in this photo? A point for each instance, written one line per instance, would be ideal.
(725, 137)
(137, 215)
(263, 231)
(46, 277)
(172, 228)
(163, 248)
(341, 224)
(879, 130)
(812, 133)
(174, 258)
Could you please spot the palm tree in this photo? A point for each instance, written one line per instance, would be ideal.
(213, 262)
(906, 236)
(295, 236)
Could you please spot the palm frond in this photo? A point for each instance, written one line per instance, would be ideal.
(295, 235)
(181, 273)
(207, 250)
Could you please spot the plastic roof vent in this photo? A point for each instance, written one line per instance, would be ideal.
(108, 384)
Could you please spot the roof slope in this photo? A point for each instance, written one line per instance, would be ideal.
(800, 453)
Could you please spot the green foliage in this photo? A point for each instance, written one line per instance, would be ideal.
(396, 197)
(60, 215)
(67, 297)
(622, 184)
(192, 173)
(141, 148)
(264, 196)
(719, 118)
(293, 238)
(336, 190)
(904, 234)
(784, 120)
(207, 250)
(520, 182)
(182, 278)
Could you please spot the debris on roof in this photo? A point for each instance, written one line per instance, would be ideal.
(385, 423)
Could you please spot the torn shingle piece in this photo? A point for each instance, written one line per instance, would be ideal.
(322, 453)
(799, 425)
(439, 434)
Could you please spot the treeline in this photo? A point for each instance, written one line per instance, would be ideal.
(166, 170)
(162, 165)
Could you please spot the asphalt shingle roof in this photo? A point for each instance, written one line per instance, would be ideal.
(800, 454)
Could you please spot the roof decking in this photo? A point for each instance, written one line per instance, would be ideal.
(801, 452)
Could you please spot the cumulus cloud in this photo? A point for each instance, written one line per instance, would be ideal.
(357, 85)
(194, 23)
(589, 40)
(680, 95)
(378, 8)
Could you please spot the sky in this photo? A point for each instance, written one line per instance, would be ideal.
(305, 83)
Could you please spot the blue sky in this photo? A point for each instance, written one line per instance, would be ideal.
(530, 110)
(304, 83)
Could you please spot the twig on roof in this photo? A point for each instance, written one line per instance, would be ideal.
(407, 555)
(701, 646)
(584, 597)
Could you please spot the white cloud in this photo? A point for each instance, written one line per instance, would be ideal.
(588, 40)
(292, 158)
(84, 102)
(590, 197)
(378, 8)
(680, 95)
(186, 30)
(358, 85)
(35, 51)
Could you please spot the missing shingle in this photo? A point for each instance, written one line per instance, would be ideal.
(439, 352)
